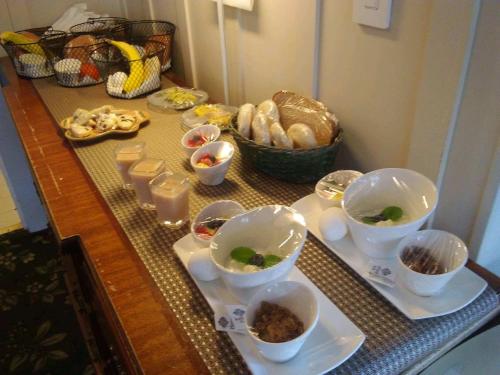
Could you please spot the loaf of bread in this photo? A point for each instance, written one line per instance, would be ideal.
(270, 109)
(245, 117)
(260, 129)
(279, 137)
(302, 136)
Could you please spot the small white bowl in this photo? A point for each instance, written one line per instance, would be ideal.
(211, 132)
(275, 229)
(216, 174)
(446, 247)
(297, 298)
(413, 192)
(225, 208)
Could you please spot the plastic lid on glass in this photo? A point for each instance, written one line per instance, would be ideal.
(130, 148)
(148, 166)
(332, 186)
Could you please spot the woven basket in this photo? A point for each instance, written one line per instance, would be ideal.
(297, 165)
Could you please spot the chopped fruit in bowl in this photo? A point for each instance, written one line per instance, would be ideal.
(197, 140)
(207, 228)
(207, 161)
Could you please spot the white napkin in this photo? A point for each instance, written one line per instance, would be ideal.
(74, 15)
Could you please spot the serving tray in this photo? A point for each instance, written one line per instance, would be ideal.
(141, 116)
(464, 288)
(332, 342)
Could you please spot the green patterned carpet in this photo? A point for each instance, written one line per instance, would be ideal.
(39, 331)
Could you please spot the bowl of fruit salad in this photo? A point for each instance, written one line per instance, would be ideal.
(197, 137)
(209, 220)
(211, 162)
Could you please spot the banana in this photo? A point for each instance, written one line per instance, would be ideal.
(22, 41)
(136, 76)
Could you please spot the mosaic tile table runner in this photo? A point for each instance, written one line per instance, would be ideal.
(393, 341)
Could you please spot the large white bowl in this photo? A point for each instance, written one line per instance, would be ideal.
(446, 248)
(297, 298)
(211, 132)
(216, 174)
(413, 192)
(278, 229)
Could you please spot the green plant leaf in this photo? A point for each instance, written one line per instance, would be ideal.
(270, 260)
(48, 298)
(369, 220)
(57, 354)
(52, 285)
(40, 364)
(54, 339)
(242, 254)
(393, 213)
(17, 361)
(43, 329)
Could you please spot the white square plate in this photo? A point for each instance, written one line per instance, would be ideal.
(464, 288)
(332, 342)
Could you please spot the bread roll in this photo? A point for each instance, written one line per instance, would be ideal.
(302, 136)
(260, 129)
(83, 53)
(270, 109)
(245, 117)
(279, 137)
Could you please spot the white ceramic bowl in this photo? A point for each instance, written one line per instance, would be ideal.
(225, 209)
(216, 174)
(413, 192)
(211, 132)
(297, 298)
(447, 248)
(276, 229)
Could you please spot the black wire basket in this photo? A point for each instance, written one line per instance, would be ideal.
(159, 31)
(28, 56)
(71, 59)
(131, 78)
(101, 27)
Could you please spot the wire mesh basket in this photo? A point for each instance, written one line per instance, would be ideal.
(159, 31)
(101, 27)
(70, 57)
(26, 53)
(132, 69)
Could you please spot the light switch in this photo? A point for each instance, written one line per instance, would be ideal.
(375, 13)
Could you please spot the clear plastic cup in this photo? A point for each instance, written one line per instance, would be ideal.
(141, 172)
(170, 192)
(127, 154)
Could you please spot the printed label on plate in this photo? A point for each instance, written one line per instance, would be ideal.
(381, 272)
(230, 318)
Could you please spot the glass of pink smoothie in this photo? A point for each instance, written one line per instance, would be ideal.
(170, 193)
(141, 172)
(127, 154)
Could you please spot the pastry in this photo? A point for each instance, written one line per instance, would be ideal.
(302, 136)
(260, 129)
(125, 121)
(101, 110)
(269, 108)
(106, 122)
(80, 131)
(245, 117)
(83, 54)
(279, 137)
(81, 116)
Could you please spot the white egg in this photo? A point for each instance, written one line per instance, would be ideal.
(201, 267)
(332, 224)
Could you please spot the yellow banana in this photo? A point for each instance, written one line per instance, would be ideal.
(136, 76)
(22, 41)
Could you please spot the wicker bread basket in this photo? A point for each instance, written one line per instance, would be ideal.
(296, 165)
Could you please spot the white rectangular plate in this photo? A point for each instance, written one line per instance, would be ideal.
(332, 342)
(464, 288)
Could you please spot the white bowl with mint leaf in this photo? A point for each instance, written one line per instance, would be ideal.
(258, 247)
(385, 205)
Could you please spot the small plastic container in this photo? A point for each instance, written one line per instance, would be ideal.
(29, 58)
(141, 172)
(127, 154)
(330, 189)
(129, 79)
(170, 192)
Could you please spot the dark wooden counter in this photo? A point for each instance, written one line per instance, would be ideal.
(141, 330)
(133, 318)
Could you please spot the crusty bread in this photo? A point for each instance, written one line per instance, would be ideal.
(302, 136)
(279, 137)
(260, 129)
